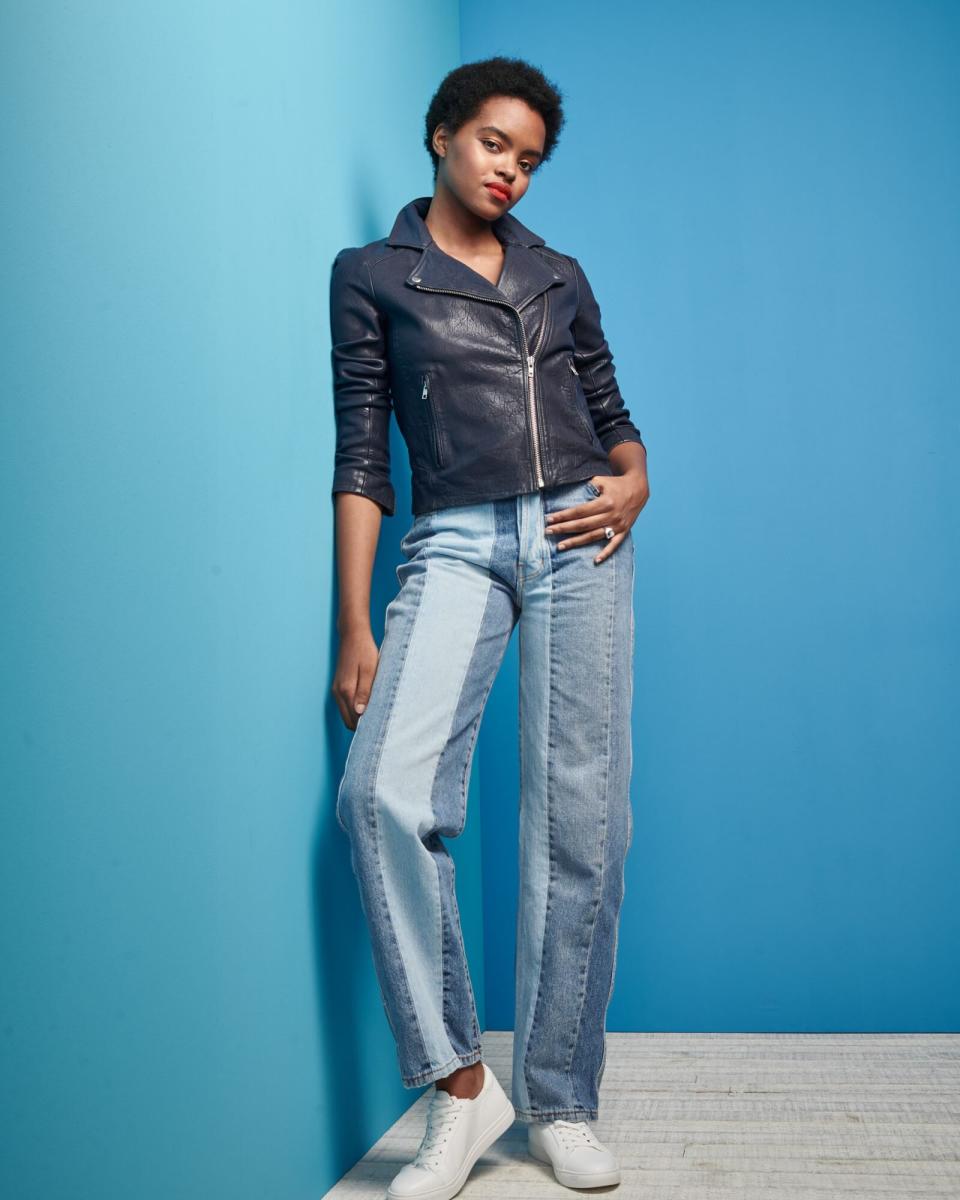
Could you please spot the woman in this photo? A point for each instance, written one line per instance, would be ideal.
(527, 475)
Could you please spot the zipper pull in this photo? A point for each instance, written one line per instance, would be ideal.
(423, 394)
(530, 364)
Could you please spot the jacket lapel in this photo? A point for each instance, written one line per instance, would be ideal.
(525, 273)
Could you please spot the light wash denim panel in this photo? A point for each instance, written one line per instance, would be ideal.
(471, 573)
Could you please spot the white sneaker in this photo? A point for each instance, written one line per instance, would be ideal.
(579, 1159)
(458, 1132)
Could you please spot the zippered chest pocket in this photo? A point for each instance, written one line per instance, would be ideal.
(434, 425)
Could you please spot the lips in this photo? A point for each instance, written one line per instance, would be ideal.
(495, 190)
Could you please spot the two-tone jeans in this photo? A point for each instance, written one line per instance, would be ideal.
(470, 574)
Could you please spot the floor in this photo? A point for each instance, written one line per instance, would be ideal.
(751, 1116)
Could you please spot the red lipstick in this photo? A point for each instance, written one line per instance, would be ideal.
(500, 190)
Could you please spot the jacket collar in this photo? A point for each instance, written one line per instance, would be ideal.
(524, 273)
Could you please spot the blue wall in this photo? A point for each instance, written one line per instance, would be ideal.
(766, 196)
(189, 1004)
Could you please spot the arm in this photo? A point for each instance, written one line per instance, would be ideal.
(594, 361)
(361, 472)
(361, 384)
(357, 529)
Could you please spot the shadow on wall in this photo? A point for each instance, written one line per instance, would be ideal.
(356, 1043)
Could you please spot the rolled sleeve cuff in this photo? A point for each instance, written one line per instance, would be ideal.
(615, 436)
(362, 483)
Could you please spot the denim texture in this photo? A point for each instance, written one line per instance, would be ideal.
(470, 574)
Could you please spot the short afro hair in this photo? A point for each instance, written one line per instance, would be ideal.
(463, 91)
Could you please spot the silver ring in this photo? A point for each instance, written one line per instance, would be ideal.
(608, 531)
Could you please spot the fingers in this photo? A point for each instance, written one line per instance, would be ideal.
(563, 516)
(353, 696)
(595, 535)
(343, 704)
(580, 529)
(587, 523)
(362, 694)
(612, 544)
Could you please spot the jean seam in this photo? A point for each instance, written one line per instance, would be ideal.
(550, 841)
(391, 712)
(463, 951)
(463, 797)
(454, 911)
(606, 826)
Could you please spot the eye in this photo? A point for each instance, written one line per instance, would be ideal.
(530, 167)
(490, 142)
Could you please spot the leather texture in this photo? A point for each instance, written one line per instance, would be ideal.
(498, 389)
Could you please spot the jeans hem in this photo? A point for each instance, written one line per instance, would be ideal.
(531, 1116)
(441, 1072)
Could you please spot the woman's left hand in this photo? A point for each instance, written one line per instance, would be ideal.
(618, 505)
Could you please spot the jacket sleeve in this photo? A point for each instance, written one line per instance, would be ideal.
(594, 362)
(361, 383)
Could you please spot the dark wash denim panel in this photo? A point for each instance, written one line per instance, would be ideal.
(417, 332)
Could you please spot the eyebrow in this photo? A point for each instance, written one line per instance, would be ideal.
(507, 138)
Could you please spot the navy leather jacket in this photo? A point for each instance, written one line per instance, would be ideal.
(498, 389)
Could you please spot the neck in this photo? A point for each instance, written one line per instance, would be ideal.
(453, 226)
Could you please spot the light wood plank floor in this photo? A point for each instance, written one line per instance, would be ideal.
(751, 1116)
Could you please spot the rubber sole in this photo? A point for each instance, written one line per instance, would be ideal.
(578, 1179)
(484, 1141)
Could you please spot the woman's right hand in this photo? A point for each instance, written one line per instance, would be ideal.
(357, 662)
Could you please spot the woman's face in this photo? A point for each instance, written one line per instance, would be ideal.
(502, 145)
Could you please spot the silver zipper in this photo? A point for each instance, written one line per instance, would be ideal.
(531, 360)
(434, 422)
(585, 418)
(531, 378)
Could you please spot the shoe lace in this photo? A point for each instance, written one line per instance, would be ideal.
(441, 1117)
(574, 1134)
